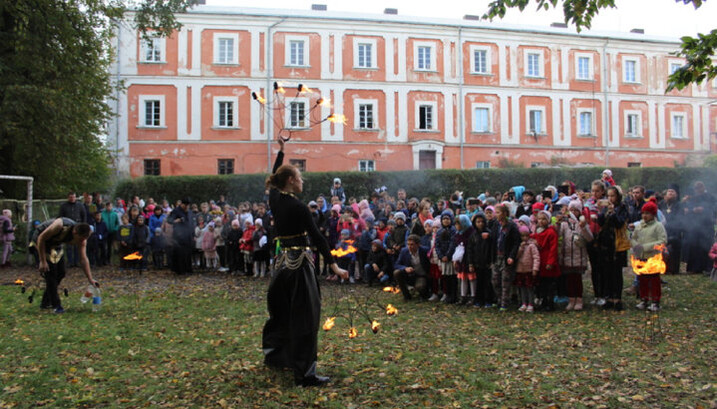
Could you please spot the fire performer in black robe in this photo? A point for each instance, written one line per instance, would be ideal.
(182, 221)
(291, 334)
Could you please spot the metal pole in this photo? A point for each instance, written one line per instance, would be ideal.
(461, 110)
(29, 220)
(605, 110)
(269, 93)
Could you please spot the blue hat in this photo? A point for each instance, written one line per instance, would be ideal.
(345, 232)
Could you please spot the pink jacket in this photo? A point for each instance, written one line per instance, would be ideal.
(528, 257)
(573, 248)
(713, 255)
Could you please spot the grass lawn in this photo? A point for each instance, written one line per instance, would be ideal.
(166, 341)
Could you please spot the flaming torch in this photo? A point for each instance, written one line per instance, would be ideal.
(391, 310)
(392, 290)
(258, 98)
(653, 265)
(352, 332)
(329, 323)
(337, 118)
(133, 256)
(374, 326)
(19, 282)
(343, 253)
(303, 88)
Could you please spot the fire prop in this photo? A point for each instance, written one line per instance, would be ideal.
(653, 265)
(299, 118)
(330, 322)
(343, 302)
(391, 310)
(19, 282)
(353, 333)
(392, 290)
(133, 256)
(374, 326)
(343, 253)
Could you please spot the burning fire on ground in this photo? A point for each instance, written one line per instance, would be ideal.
(653, 265)
(133, 256)
(329, 323)
(374, 326)
(391, 310)
(353, 333)
(392, 290)
(19, 282)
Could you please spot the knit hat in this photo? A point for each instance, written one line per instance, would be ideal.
(575, 204)
(491, 208)
(650, 207)
(313, 203)
(607, 172)
(378, 242)
(337, 180)
(400, 215)
(448, 213)
(464, 221)
(258, 222)
(525, 219)
(336, 208)
(538, 206)
(391, 222)
(211, 224)
(345, 233)
(158, 230)
(235, 222)
(524, 230)
(428, 222)
(547, 214)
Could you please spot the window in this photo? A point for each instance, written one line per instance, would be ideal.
(536, 164)
(533, 66)
(226, 48)
(632, 125)
(481, 119)
(630, 71)
(425, 117)
(583, 71)
(367, 165)
(225, 113)
(297, 51)
(535, 119)
(299, 164)
(674, 66)
(483, 164)
(152, 113)
(297, 115)
(424, 57)
(225, 166)
(480, 61)
(365, 116)
(151, 167)
(585, 127)
(364, 55)
(634, 164)
(678, 126)
(151, 50)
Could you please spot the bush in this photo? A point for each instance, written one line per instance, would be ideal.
(430, 183)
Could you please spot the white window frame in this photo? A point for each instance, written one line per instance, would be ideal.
(483, 164)
(474, 127)
(287, 50)
(432, 54)
(142, 100)
(543, 119)
(434, 116)
(235, 115)
(357, 110)
(674, 63)
(143, 48)
(541, 63)
(636, 60)
(638, 125)
(579, 125)
(591, 73)
(374, 52)
(366, 165)
(307, 119)
(235, 48)
(683, 130)
(487, 50)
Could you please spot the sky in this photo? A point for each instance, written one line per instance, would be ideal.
(664, 18)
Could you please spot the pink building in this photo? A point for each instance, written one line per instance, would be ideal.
(416, 92)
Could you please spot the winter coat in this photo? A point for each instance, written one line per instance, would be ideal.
(547, 241)
(364, 242)
(713, 255)
(209, 241)
(528, 257)
(380, 258)
(7, 231)
(248, 244)
(479, 251)
(574, 243)
(445, 243)
(397, 237)
(140, 236)
(511, 240)
(112, 221)
(649, 235)
(233, 238)
(155, 222)
(75, 211)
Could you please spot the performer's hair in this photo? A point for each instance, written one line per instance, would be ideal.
(281, 176)
(83, 230)
(414, 238)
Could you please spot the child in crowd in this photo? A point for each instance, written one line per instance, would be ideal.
(575, 236)
(197, 257)
(102, 234)
(338, 191)
(713, 256)
(506, 239)
(376, 267)
(479, 257)
(445, 246)
(547, 239)
(347, 261)
(648, 235)
(246, 245)
(234, 255)
(466, 277)
(260, 249)
(7, 236)
(140, 239)
(526, 270)
(607, 178)
(158, 244)
(209, 247)
(435, 269)
(124, 237)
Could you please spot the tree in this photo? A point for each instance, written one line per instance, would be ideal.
(697, 51)
(55, 86)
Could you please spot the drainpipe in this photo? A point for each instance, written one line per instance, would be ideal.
(461, 111)
(117, 101)
(605, 110)
(269, 93)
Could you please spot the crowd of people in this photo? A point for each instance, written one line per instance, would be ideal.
(484, 250)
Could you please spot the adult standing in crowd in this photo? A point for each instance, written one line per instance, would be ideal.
(699, 210)
(182, 221)
(671, 208)
(290, 334)
(76, 212)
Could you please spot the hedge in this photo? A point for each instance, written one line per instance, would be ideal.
(430, 183)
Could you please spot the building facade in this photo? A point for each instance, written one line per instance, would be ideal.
(416, 93)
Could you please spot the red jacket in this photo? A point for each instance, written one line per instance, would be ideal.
(547, 241)
(713, 255)
(247, 244)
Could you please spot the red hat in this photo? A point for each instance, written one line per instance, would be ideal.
(538, 206)
(650, 207)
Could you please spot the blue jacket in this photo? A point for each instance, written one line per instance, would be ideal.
(155, 222)
(404, 260)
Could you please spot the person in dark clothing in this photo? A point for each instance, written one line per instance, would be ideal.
(479, 257)
(50, 237)
(506, 242)
(158, 244)
(140, 240)
(101, 235)
(525, 207)
(612, 220)
(182, 220)
(75, 211)
(290, 335)
(412, 267)
(699, 211)
(672, 210)
(235, 260)
(634, 205)
(376, 267)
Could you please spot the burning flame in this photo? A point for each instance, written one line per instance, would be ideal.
(653, 265)
(392, 290)
(337, 118)
(133, 256)
(343, 253)
(391, 310)
(374, 326)
(303, 88)
(324, 102)
(19, 282)
(258, 97)
(329, 323)
(279, 88)
(352, 332)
